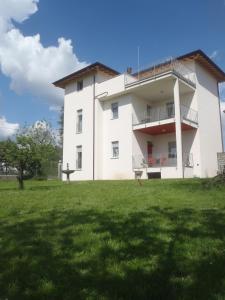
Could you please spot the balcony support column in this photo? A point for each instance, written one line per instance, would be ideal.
(176, 92)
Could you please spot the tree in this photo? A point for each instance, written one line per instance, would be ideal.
(61, 126)
(33, 147)
(41, 133)
(44, 137)
(20, 154)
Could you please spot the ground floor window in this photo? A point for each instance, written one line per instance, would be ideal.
(115, 149)
(79, 158)
(172, 150)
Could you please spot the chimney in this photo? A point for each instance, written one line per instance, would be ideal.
(129, 70)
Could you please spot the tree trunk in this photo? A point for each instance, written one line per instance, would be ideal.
(20, 179)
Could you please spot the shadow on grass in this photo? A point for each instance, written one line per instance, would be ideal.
(29, 186)
(42, 187)
(154, 254)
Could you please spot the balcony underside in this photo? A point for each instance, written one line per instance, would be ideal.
(164, 128)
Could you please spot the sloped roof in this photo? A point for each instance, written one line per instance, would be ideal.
(83, 72)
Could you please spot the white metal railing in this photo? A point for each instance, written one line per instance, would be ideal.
(189, 114)
(188, 160)
(154, 160)
(159, 160)
(155, 70)
(163, 112)
(154, 114)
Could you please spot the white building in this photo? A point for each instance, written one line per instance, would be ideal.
(164, 121)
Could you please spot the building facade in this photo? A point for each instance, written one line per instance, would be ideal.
(161, 122)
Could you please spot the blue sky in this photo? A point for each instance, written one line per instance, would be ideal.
(105, 31)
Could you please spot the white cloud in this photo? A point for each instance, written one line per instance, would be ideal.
(31, 66)
(56, 108)
(214, 54)
(14, 10)
(7, 129)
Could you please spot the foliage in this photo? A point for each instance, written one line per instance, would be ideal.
(61, 126)
(31, 152)
(112, 240)
(216, 181)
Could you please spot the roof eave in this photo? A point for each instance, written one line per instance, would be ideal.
(93, 68)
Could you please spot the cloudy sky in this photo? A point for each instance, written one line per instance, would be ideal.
(43, 40)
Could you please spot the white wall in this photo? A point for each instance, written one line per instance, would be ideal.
(75, 100)
(209, 121)
(112, 86)
(190, 140)
(118, 130)
(100, 78)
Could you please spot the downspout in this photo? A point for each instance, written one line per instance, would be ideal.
(94, 127)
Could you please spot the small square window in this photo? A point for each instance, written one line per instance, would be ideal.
(80, 85)
(114, 109)
(115, 149)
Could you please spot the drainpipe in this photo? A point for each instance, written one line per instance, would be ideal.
(94, 127)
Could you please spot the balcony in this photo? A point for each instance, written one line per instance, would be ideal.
(161, 119)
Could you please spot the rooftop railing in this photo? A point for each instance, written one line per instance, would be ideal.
(159, 69)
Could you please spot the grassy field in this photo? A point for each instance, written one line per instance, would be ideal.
(112, 240)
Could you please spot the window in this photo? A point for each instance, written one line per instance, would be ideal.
(79, 158)
(80, 85)
(172, 150)
(115, 149)
(79, 120)
(149, 112)
(114, 109)
(170, 109)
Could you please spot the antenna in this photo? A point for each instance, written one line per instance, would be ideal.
(138, 60)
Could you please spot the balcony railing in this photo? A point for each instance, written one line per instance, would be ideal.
(164, 112)
(159, 160)
(154, 161)
(189, 114)
(161, 68)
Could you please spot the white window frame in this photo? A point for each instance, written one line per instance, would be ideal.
(172, 154)
(79, 123)
(115, 149)
(79, 157)
(170, 109)
(80, 85)
(149, 112)
(115, 114)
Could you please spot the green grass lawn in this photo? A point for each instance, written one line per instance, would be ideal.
(112, 240)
